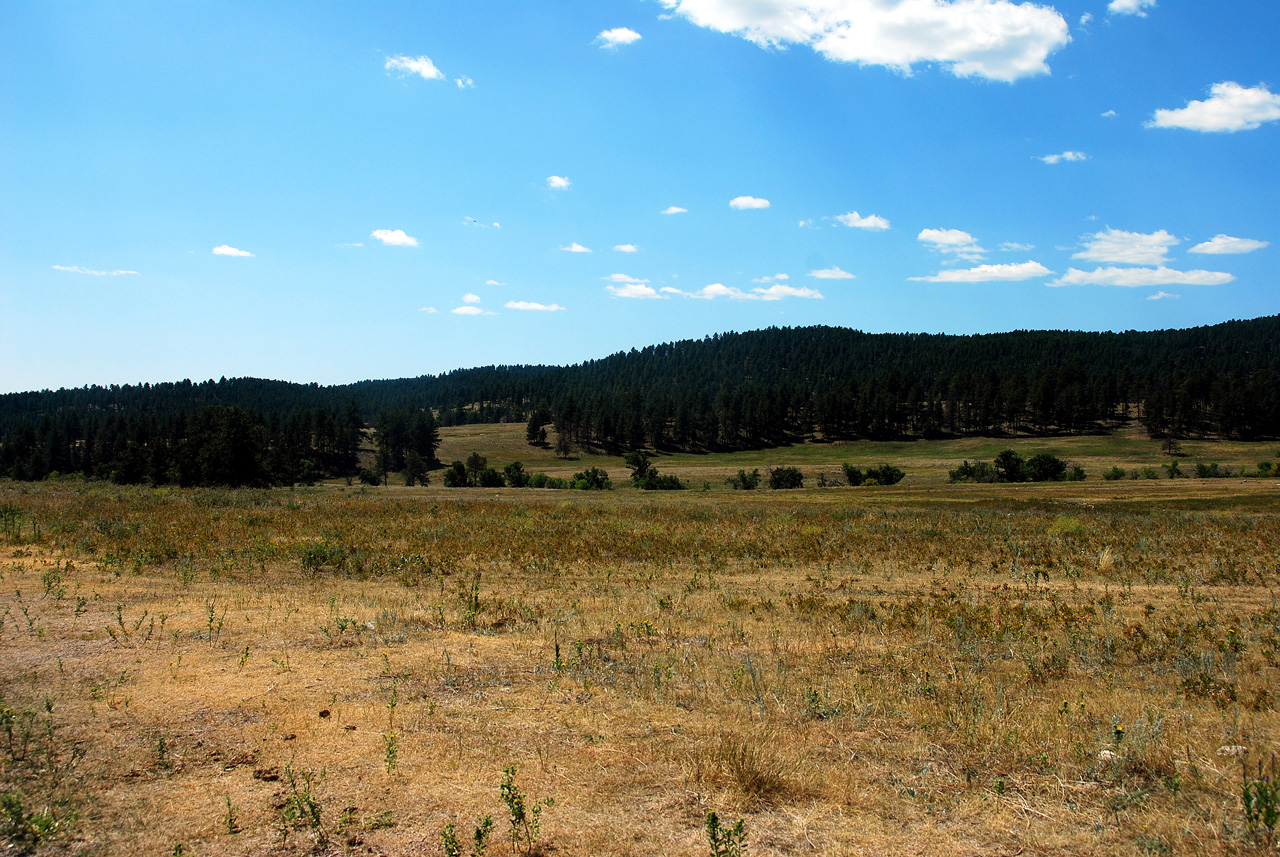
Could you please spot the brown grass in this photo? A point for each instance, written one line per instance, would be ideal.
(918, 670)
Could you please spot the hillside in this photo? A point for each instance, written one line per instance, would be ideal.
(729, 391)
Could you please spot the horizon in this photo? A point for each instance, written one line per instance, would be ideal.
(584, 361)
(215, 191)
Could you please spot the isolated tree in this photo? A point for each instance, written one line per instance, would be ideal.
(475, 464)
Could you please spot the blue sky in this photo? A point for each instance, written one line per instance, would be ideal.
(337, 191)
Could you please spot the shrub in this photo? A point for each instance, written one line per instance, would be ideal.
(490, 478)
(978, 471)
(745, 481)
(1046, 468)
(1010, 467)
(1212, 471)
(853, 475)
(516, 475)
(455, 476)
(885, 474)
(785, 477)
(592, 479)
(368, 477)
(645, 476)
(1115, 474)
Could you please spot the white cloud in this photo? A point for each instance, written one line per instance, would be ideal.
(617, 36)
(774, 292)
(464, 82)
(622, 278)
(428, 309)
(1015, 247)
(1160, 296)
(529, 306)
(1223, 244)
(1127, 248)
(470, 298)
(745, 202)
(228, 250)
(857, 221)
(989, 274)
(955, 241)
(833, 273)
(421, 66)
(994, 39)
(76, 269)
(1135, 277)
(352, 244)
(1130, 7)
(467, 310)
(1065, 156)
(468, 220)
(493, 283)
(1086, 19)
(575, 247)
(778, 291)
(771, 279)
(625, 248)
(1229, 107)
(632, 290)
(1110, 114)
(558, 183)
(394, 238)
(673, 209)
(803, 224)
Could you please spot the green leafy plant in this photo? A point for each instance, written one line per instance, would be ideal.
(1260, 795)
(479, 839)
(726, 841)
(301, 806)
(525, 818)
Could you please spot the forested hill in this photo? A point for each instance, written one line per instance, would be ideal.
(737, 390)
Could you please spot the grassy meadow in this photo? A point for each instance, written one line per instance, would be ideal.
(1077, 668)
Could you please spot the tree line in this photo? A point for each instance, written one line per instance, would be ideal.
(728, 391)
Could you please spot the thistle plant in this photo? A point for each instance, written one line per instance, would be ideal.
(525, 819)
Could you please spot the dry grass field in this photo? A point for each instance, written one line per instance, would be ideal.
(1081, 668)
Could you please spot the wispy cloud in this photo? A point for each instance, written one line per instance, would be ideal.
(857, 221)
(575, 247)
(632, 290)
(617, 36)
(989, 274)
(772, 279)
(1136, 277)
(228, 250)
(1064, 156)
(464, 82)
(954, 242)
(1230, 107)
(76, 269)
(1225, 244)
(1127, 248)
(626, 248)
(558, 183)
(1109, 114)
(467, 310)
(470, 298)
(834, 273)
(1161, 296)
(468, 220)
(428, 309)
(421, 66)
(529, 306)
(351, 244)
(1015, 247)
(1130, 7)
(493, 283)
(774, 292)
(394, 238)
(623, 278)
(743, 203)
(673, 209)
(993, 39)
